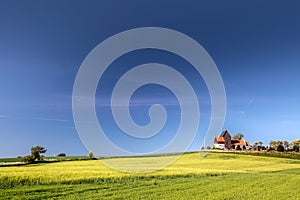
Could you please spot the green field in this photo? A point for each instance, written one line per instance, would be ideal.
(216, 176)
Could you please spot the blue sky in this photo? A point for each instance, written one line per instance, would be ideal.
(256, 46)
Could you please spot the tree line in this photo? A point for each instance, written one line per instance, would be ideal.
(278, 145)
(37, 151)
(274, 145)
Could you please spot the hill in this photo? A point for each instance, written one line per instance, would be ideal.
(216, 176)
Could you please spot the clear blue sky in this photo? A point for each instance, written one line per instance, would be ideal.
(255, 44)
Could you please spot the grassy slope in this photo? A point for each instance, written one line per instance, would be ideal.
(218, 176)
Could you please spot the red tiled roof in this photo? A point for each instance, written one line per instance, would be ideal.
(248, 144)
(220, 139)
(240, 142)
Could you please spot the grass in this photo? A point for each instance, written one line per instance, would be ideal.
(291, 155)
(50, 158)
(217, 176)
(10, 160)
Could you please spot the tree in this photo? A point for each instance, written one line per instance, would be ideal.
(238, 136)
(296, 145)
(90, 155)
(28, 159)
(61, 154)
(277, 145)
(273, 145)
(35, 154)
(259, 145)
(280, 148)
(37, 151)
(285, 144)
(255, 145)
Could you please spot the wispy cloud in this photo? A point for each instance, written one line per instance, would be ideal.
(51, 100)
(289, 123)
(146, 101)
(52, 119)
(35, 118)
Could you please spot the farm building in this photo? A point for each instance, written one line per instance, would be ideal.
(224, 141)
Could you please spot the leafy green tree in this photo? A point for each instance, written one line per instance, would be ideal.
(257, 145)
(296, 145)
(277, 145)
(280, 148)
(90, 155)
(285, 144)
(28, 159)
(273, 144)
(35, 154)
(61, 154)
(238, 136)
(37, 151)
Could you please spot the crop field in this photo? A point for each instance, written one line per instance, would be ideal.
(215, 176)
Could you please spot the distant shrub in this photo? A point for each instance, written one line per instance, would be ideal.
(61, 154)
(259, 148)
(271, 149)
(296, 148)
(90, 155)
(280, 148)
(28, 159)
(208, 147)
(217, 148)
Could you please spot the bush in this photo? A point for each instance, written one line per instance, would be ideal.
(90, 155)
(280, 148)
(272, 149)
(296, 148)
(28, 159)
(61, 154)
